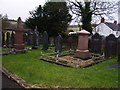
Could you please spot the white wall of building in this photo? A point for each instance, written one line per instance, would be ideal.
(103, 29)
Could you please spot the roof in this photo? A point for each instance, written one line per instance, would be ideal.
(113, 26)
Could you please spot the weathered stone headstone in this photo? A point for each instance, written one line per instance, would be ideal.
(3, 39)
(8, 39)
(30, 38)
(58, 44)
(82, 49)
(51, 41)
(45, 41)
(96, 43)
(19, 42)
(70, 41)
(12, 39)
(35, 38)
(110, 46)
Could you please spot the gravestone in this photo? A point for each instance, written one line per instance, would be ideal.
(35, 39)
(51, 41)
(45, 41)
(110, 46)
(25, 38)
(8, 39)
(70, 41)
(82, 49)
(3, 39)
(58, 44)
(0, 39)
(96, 43)
(40, 38)
(118, 49)
(19, 42)
(30, 38)
(12, 39)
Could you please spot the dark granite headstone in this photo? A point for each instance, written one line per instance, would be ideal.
(118, 49)
(58, 43)
(3, 39)
(40, 38)
(45, 41)
(8, 39)
(12, 39)
(0, 39)
(110, 46)
(96, 43)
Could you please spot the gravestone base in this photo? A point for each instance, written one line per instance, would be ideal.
(19, 46)
(71, 61)
(83, 54)
(34, 47)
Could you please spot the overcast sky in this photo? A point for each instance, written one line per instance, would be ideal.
(19, 8)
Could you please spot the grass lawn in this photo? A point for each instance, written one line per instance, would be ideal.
(35, 71)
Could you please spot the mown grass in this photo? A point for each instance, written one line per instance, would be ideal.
(35, 71)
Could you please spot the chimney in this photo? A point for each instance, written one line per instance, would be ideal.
(102, 20)
(115, 22)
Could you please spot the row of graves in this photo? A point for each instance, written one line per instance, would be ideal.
(80, 50)
(84, 50)
(18, 39)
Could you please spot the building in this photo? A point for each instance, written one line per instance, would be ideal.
(107, 28)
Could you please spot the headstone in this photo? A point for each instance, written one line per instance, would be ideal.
(19, 42)
(96, 43)
(8, 39)
(51, 41)
(35, 39)
(110, 46)
(0, 39)
(82, 49)
(12, 39)
(118, 49)
(30, 38)
(58, 44)
(3, 39)
(40, 38)
(70, 41)
(25, 38)
(45, 40)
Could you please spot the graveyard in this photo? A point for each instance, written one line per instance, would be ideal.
(77, 61)
(38, 73)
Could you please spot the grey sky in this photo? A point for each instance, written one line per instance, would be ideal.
(16, 8)
(21, 8)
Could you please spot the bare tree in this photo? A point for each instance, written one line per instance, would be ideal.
(88, 9)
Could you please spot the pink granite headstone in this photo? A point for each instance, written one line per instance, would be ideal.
(19, 42)
(82, 48)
